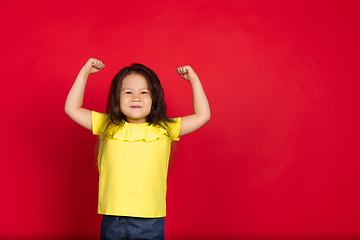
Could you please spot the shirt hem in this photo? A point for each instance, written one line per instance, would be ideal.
(133, 215)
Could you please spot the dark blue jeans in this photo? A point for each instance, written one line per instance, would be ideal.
(131, 228)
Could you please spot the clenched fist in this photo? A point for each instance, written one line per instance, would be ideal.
(93, 65)
(187, 73)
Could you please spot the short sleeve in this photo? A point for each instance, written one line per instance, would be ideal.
(97, 121)
(174, 128)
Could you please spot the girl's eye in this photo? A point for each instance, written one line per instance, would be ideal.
(127, 92)
(144, 92)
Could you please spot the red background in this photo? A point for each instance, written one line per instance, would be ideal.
(278, 159)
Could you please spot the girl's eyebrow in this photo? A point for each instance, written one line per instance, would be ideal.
(132, 88)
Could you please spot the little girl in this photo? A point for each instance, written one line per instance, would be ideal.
(135, 140)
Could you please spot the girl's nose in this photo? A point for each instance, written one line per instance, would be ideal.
(135, 99)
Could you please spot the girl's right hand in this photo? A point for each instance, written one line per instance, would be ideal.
(93, 65)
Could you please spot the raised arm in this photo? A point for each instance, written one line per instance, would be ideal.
(200, 103)
(74, 101)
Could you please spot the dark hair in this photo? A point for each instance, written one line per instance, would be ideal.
(158, 114)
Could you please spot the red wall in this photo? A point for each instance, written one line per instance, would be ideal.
(279, 158)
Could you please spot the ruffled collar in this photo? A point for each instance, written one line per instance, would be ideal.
(138, 132)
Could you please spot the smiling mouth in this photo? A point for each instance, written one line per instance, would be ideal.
(135, 107)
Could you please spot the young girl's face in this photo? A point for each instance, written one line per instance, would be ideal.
(135, 98)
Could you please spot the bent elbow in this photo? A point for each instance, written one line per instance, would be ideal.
(67, 110)
(207, 119)
(208, 116)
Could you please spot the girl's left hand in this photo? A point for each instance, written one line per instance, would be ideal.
(187, 73)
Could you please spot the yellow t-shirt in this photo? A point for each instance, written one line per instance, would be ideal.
(134, 166)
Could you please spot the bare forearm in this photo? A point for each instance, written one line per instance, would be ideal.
(200, 102)
(76, 95)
